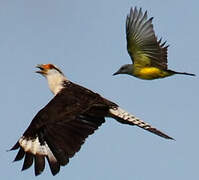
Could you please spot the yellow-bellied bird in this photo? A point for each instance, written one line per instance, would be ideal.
(149, 55)
(61, 127)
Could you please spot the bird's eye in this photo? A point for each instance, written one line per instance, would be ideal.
(50, 66)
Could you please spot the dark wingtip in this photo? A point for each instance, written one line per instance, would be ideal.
(39, 164)
(28, 161)
(16, 146)
(151, 19)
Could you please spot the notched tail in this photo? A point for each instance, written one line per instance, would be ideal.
(184, 73)
(126, 118)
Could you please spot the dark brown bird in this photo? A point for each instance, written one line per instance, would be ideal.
(61, 127)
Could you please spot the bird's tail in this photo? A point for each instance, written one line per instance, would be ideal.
(124, 117)
(190, 74)
(184, 73)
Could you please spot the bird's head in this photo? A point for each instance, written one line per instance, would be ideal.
(125, 69)
(53, 75)
(48, 69)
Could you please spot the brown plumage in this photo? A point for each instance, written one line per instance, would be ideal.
(61, 127)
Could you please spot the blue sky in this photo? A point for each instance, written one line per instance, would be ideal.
(86, 39)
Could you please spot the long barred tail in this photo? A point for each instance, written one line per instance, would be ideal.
(126, 118)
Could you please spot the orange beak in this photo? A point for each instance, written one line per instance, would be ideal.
(42, 69)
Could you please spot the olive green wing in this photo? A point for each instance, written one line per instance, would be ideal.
(142, 44)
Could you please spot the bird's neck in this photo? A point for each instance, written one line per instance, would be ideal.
(56, 82)
(130, 69)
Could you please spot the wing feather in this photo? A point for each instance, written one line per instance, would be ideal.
(28, 161)
(142, 44)
(58, 131)
(39, 164)
(20, 154)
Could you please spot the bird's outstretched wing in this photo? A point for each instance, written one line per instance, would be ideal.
(142, 44)
(59, 129)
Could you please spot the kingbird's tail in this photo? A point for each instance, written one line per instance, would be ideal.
(124, 117)
(184, 73)
(190, 74)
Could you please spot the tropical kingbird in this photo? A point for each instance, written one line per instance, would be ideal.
(148, 54)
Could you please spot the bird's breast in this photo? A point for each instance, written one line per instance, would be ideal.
(149, 73)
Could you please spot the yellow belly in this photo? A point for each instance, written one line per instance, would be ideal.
(150, 73)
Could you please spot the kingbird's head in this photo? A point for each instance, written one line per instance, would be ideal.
(53, 75)
(125, 69)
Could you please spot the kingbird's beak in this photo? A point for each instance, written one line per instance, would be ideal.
(42, 70)
(116, 73)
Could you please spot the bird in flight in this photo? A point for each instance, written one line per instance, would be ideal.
(149, 55)
(60, 128)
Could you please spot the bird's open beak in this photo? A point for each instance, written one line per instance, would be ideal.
(42, 69)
